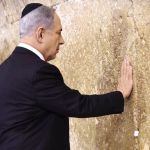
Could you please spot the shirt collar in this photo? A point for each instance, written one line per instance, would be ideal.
(29, 47)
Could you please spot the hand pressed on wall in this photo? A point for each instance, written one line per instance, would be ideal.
(125, 83)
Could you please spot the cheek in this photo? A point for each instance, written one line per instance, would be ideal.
(52, 42)
(55, 41)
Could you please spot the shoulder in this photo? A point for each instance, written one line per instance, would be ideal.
(46, 70)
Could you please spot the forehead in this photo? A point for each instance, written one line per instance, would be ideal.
(57, 22)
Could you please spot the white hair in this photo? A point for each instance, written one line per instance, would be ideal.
(43, 15)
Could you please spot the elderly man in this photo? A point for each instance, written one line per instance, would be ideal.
(35, 103)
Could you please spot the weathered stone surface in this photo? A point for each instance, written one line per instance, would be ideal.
(98, 34)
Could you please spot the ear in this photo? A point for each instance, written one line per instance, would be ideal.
(40, 34)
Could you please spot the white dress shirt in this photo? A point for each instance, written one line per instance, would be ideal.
(29, 47)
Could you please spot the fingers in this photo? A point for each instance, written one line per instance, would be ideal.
(126, 72)
(130, 73)
(129, 69)
(125, 83)
(126, 64)
(124, 67)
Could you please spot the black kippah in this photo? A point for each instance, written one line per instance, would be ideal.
(29, 7)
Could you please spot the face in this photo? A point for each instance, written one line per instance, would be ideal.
(52, 39)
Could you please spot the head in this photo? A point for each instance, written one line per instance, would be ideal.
(41, 28)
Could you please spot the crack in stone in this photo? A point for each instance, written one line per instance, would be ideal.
(58, 3)
(136, 27)
(134, 20)
(135, 111)
(135, 24)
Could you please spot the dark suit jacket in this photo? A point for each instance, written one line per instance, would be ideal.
(35, 104)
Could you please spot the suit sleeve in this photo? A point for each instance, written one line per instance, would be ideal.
(53, 95)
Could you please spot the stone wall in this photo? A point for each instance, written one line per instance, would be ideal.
(98, 34)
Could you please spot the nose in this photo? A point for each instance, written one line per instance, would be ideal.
(61, 40)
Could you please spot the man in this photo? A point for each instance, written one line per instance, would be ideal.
(35, 103)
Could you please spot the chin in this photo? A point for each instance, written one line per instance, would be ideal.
(51, 58)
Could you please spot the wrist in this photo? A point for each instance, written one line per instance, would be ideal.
(122, 93)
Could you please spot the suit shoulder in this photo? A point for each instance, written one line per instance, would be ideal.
(47, 69)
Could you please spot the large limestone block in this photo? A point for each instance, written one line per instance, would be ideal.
(98, 34)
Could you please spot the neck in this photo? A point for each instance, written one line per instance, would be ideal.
(29, 42)
(32, 43)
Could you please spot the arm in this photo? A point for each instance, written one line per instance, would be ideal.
(53, 95)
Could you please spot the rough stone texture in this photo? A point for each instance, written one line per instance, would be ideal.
(98, 34)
